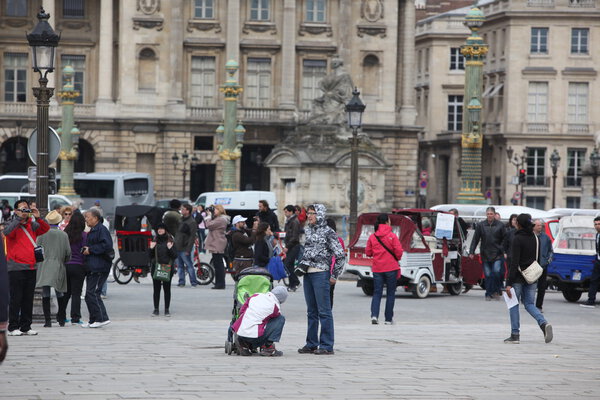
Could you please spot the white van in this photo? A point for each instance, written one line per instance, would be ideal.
(54, 200)
(244, 203)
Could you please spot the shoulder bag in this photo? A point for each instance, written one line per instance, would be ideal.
(38, 251)
(535, 270)
(162, 272)
(385, 247)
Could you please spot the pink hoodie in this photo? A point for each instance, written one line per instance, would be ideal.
(383, 261)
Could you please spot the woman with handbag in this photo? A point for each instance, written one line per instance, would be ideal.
(263, 249)
(162, 253)
(522, 278)
(386, 250)
(76, 268)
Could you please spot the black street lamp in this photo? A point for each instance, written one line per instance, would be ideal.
(595, 163)
(518, 161)
(354, 109)
(185, 157)
(43, 41)
(554, 162)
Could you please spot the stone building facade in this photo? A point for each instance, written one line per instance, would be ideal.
(149, 73)
(540, 82)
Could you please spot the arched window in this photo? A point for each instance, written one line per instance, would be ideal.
(371, 75)
(13, 155)
(147, 70)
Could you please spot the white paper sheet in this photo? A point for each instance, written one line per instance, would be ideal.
(512, 301)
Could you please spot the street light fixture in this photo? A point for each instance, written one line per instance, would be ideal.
(185, 157)
(595, 163)
(354, 109)
(554, 163)
(43, 41)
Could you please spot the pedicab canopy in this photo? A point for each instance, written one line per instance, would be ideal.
(129, 218)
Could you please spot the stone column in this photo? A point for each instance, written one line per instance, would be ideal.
(288, 56)
(175, 99)
(105, 59)
(346, 27)
(233, 30)
(406, 67)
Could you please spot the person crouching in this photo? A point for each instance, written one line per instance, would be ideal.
(261, 323)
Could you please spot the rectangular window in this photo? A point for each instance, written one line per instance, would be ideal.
(259, 10)
(135, 186)
(538, 202)
(73, 9)
(455, 111)
(457, 60)
(203, 143)
(315, 10)
(312, 73)
(573, 202)
(575, 159)
(258, 89)
(579, 40)
(578, 102)
(537, 102)
(204, 9)
(203, 81)
(78, 64)
(539, 40)
(16, 8)
(15, 77)
(536, 167)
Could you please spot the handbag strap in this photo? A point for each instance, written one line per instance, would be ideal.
(29, 236)
(537, 247)
(385, 247)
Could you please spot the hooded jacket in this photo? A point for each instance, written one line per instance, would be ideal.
(383, 261)
(255, 314)
(322, 244)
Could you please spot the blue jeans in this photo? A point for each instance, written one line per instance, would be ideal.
(491, 271)
(272, 333)
(184, 261)
(93, 299)
(389, 279)
(318, 310)
(526, 295)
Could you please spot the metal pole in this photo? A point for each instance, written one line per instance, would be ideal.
(43, 95)
(553, 187)
(353, 182)
(595, 192)
(183, 183)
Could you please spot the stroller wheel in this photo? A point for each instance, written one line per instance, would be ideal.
(228, 347)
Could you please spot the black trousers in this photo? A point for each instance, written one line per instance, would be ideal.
(290, 259)
(166, 286)
(218, 263)
(594, 281)
(93, 299)
(542, 285)
(76, 274)
(20, 309)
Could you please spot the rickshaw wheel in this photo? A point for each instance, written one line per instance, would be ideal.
(455, 288)
(368, 287)
(422, 287)
(121, 274)
(205, 273)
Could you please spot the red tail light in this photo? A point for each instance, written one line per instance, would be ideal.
(120, 243)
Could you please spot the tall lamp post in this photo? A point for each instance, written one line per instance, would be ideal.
(595, 164)
(43, 41)
(519, 162)
(230, 135)
(474, 51)
(185, 158)
(354, 109)
(68, 133)
(554, 163)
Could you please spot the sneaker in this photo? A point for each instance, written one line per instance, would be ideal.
(307, 350)
(270, 351)
(155, 313)
(374, 320)
(77, 323)
(245, 352)
(180, 285)
(323, 352)
(30, 332)
(292, 289)
(167, 313)
(389, 322)
(99, 324)
(513, 339)
(547, 329)
(588, 304)
(85, 325)
(488, 298)
(103, 296)
(16, 332)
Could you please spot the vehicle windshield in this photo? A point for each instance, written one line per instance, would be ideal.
(367, 230)
(579, 238)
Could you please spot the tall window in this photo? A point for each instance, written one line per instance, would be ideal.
(73, 9)
(578, 102)
(259, 10)
(457, 60)
(312, 73)
(16, 8)
(203, 78)
(539, 40)
(204, 9)
(573, 202)
(315, 10)
(579, 40)
(538, 202)
(147, 70)
(455, 111)
(258, 89)
(371, 75)
(537, 102)
(78, 64)
(575, 159)
(536, 166)
(15, 77)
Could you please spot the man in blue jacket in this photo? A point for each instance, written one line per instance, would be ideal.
(546, 254)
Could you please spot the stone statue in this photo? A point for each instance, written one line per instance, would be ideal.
(328, 109)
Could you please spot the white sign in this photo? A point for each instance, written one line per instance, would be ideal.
(444, 226)
(514, 180)
(53, 146)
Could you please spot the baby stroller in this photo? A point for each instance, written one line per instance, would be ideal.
(249, 282)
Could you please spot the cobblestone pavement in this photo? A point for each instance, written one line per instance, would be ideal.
(442, 347)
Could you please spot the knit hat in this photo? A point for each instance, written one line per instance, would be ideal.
(54, 217)
(160, 226)
(281, 293)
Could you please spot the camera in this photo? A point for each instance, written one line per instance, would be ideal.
(25, 210)
(210, 209)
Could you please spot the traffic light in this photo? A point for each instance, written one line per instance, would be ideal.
(522, 175)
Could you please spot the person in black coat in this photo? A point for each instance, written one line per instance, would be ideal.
(162, 251)
(525, 250)
(262, 250)
(265, 214)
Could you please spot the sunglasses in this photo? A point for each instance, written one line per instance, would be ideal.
(311, 213)
(67, 213)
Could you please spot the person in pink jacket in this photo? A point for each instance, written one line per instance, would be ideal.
(386, 250)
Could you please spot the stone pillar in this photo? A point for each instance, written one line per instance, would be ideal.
(406, 68)
(288, 55)
(346, 27)
(175, 99)
(105, 59)
(233, 30)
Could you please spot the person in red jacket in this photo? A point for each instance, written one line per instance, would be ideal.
(21, 234)
(386, 250)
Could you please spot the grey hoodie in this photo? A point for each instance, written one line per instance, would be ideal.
(322, 244)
